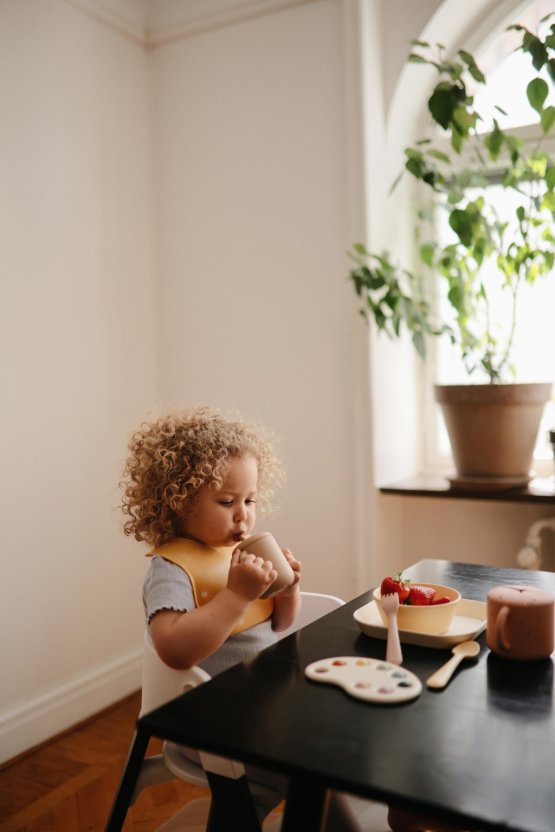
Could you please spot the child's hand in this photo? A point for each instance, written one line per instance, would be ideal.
(296, 567)
(249, 576)
(288, 602)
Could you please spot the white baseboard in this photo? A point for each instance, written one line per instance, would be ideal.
(58, 709)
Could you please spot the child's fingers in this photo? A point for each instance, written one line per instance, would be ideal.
(258, 562)
(265, 568)
(291, 559)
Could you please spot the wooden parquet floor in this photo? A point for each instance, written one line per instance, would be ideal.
(68, 784)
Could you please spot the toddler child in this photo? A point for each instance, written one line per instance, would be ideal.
(193, 480)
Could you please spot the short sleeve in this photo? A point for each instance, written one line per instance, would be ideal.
(166, 587)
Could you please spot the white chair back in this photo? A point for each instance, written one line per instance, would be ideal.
(160, 682)
(313, 605)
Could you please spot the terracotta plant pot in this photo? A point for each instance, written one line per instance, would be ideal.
(492, 429)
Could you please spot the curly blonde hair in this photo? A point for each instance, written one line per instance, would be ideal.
(174, 455)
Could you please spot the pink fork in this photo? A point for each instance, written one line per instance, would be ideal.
(390, 605)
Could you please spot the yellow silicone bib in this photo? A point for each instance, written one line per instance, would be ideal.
(207, 568)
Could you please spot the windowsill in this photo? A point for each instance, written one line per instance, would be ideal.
(539, 490)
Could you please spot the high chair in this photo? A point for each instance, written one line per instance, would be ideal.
(160, 684)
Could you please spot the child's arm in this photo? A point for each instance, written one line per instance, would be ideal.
(183, 639)
(288, 603)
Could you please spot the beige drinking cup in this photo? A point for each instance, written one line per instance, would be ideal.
(265, 546)
(520, 622)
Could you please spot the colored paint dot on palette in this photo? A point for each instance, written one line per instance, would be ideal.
(367, 679)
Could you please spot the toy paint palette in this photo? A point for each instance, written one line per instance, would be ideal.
(367, 679)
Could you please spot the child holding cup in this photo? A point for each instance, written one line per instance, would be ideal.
(192, 482)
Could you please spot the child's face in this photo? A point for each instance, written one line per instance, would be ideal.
(224, 517)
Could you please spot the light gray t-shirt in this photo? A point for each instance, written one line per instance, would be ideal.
(168, 587)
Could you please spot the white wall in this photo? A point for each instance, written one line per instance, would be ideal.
(223, 284)
(175, 226)
(250, 206)
(78, 360)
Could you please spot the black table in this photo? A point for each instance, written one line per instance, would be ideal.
(481, 752)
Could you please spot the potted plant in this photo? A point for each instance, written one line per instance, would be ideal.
(455, 171)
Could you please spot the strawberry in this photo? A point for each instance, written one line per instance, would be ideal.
(444, 599)
(421, 596)
(396, 584)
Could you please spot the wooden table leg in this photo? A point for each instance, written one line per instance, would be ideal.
(305, 805)
(128, 781)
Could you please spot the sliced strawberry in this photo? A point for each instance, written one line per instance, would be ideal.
(421, 596)
(444, 599)
(396, 584)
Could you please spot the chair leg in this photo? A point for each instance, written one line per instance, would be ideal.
(232, 806)
(153, 771)
(131, 771)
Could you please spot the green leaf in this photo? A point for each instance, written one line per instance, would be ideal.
(415, 167)
(427, 252)
(536, 92)
(463, 120)
(547, 119)
(419, 344)
(533, 45)
(442, 103)
(396, 182)
(472, 66)
(456, 141)
(548, 201)
(538, 165)
(463, 222)
(438, 154)
(550, 178)
(390, 300)
(455, 297)
(494, 142)
(379, 318)
(479, 250)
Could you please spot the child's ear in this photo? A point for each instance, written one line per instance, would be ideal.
(172, 510)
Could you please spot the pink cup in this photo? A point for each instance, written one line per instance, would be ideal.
(265, 546)
(520, 622)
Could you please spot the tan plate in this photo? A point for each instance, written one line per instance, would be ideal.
(469, 622)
